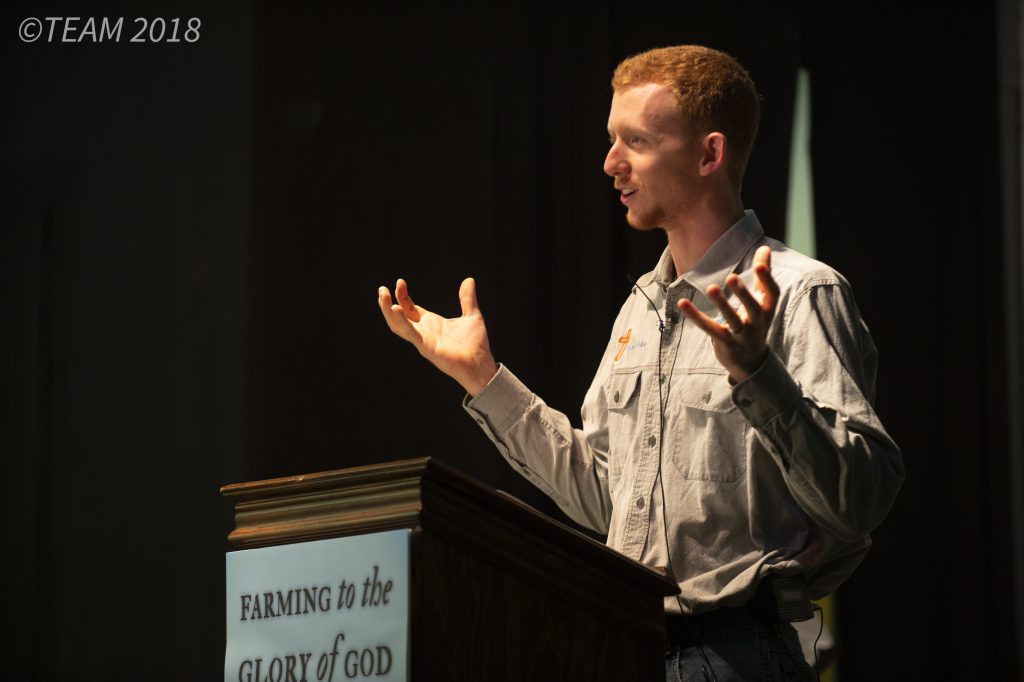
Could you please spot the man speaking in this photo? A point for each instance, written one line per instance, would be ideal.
(728, 436)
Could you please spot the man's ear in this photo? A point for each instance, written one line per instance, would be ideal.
(712, 157)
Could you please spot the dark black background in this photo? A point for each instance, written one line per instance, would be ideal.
(192, 237)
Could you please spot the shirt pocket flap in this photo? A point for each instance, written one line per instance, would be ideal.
(621, 389)
(706, 390)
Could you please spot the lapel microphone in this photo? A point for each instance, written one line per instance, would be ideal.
(671, 315)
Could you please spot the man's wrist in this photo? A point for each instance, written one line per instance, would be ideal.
(481, 378)
(738, 373)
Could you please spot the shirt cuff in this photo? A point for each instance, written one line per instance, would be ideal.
(500, 404)
(767, 393)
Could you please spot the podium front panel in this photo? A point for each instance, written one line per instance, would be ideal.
(335, 609)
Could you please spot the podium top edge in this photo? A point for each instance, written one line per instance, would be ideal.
(368, 473)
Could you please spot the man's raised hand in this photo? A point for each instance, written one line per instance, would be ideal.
(457, 346)
(740, 342)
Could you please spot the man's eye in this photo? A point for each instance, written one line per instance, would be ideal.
(635, 139)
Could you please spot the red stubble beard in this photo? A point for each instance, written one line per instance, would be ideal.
(643, 222)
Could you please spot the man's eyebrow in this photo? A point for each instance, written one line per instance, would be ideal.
(635, 130)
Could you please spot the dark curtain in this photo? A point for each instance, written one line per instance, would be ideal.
(193, 237)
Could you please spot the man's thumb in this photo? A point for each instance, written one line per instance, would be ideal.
(467, 296)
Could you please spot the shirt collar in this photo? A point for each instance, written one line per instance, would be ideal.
(725, 254)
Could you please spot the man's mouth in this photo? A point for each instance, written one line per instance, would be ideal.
(627, 192)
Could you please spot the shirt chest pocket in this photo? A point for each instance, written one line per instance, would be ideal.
(708, 433)
(623, 395)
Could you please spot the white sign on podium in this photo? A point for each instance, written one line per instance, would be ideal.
(319, 611)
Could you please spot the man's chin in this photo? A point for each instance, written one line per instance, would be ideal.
(641, 223)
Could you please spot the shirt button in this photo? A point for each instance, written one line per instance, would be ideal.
(639, 503)
(652, 441)
(661, 379)
(616, 396)
(480, 422)
(746, 402)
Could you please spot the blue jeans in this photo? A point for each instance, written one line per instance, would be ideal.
(764, 652)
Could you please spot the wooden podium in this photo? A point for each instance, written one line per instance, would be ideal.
(497, 590)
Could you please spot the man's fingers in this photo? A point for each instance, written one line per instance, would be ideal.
(763, 272)
(401, 326)
(713, 329)
(754, 309)
(384, 301)
(405, 301)
(763, 255)
(728, 312)
(394, 315)
(467, 296)
(768, 285)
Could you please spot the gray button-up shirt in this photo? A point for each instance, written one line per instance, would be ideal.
(786, 472)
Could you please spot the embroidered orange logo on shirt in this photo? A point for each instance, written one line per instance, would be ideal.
(624, 340)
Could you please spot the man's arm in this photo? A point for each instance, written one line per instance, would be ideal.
(567, 464)
(811, 412)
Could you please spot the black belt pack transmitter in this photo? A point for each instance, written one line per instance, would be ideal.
(791, 602)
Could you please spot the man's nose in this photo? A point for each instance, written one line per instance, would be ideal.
(614, 164)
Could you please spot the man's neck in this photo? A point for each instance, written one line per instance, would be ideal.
(690, 237)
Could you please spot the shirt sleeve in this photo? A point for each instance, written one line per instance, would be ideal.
(567, 464)
(810, 404)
